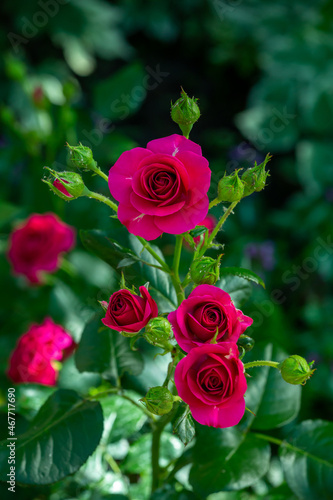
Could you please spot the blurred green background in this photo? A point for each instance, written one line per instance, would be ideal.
(104, 73)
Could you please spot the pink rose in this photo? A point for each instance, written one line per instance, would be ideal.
(128, 312)
(211, 380)
(162, 188)
(31, 360)
(206, 310)
(37, 245)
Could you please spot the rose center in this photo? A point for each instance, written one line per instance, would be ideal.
(161, 183)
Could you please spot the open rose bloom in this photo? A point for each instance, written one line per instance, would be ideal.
(33, 356)
(211, 380)
(207, 312)
(36, 246)
(161, 188)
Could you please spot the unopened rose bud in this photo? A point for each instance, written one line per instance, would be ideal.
(230, 188)
(67, 185)
(254, 179)
(296, 370)
(205, 271)
(82, 157)
(246, 343)
(158, 332)
(185, 112)
(158, 400)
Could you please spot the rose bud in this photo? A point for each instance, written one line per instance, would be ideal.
(38, 353)
(254, 178)
(37, 245)
(211, 380)
(67, 185)
(230, 188)
(296, 370)
(128, 313)
(82, 157)
(208, 314)
(246, 343)
(185, 112)
(158, 400)
(205, 271)
(209, 223)
(158, 332)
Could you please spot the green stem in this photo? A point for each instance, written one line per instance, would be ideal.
(99, 172)
(152, 252)
(217, 228)
(100, 197)
(142, 408)
(155, 448)
(251, 364)
(214, 202)
(119, 392)
(175, 269)
(113, 464)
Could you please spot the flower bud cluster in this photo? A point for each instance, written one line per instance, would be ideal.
(233, 188)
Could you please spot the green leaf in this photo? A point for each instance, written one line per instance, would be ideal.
(93, 352)
(274, 401)
(183, 424)
(106, 351)
(66, 430)
(127, 418)
(238, 288)
(160, 284)
(168, 492)
(123, 359)
(106, 248)
(139, 456)
(227, 459)
(308, 462)
(242, 273)
(108, 94)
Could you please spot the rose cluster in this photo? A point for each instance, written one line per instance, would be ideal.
(206, 325)
(33, 359)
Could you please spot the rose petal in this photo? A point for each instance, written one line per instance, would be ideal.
(173, 144)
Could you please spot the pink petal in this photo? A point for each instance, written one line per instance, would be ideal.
(219, 416)
(173, 144)
(199, 174)
(120, 175)
(184, 220)
(138, 223)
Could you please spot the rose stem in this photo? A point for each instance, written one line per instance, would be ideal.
(103, 199)
(251, 364)
(152, 252)
(175, 269)
(120, 392)
(217, 228)
(214, 202)
(144, 243)
(155, 448)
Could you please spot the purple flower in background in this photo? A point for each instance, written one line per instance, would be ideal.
(263, 253)
(244, 152)
(329, 195)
